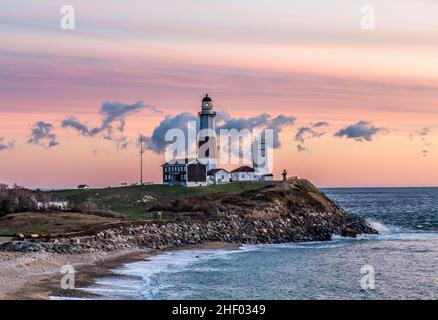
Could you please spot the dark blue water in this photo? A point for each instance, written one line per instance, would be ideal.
(404, 258)
(409, 208)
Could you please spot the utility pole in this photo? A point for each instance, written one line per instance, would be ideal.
(141, 159)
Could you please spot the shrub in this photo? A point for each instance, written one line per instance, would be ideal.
(19, 199)
(15, 199)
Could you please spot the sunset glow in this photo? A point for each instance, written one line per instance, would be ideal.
(306, 59)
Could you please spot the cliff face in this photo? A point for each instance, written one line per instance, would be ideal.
(299, 201)
(294, 211)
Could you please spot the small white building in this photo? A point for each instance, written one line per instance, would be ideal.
(47, 202)
(218, 176)
(244, 173)
(83, 186)
(267, 177)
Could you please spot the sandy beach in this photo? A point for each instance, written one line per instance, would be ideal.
(37, 275)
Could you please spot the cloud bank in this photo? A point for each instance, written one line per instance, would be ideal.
(113, 123)
(422, 134)
(42, 135)
(262, 121)
(6, 145)
(313, 131)
(156, 141)
(360, 131)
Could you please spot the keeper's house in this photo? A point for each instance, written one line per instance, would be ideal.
(185, 172)
(218, 176)
(246, 173)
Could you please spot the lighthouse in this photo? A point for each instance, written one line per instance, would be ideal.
(207, 134)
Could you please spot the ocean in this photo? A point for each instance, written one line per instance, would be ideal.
(402, 260)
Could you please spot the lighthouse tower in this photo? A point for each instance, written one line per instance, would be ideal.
(260, 155)
(207, 134)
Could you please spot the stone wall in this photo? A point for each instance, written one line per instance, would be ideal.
(315, 227)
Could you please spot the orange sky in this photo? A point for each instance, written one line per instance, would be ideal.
(313, 62)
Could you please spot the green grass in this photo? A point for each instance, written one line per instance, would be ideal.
(50, 223)
(125, 199)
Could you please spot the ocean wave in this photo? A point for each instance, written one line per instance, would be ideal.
(150, 275)
(406, 236)
(392, 232)
(380, 227)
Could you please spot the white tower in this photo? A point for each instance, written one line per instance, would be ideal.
(207, 134)
(262, 153)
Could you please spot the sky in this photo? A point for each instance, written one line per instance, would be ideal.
(362, 105)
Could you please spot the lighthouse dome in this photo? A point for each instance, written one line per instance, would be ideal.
(207, 104)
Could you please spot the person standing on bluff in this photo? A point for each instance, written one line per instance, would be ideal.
(284, 174)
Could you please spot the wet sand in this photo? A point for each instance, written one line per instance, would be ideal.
(37, 275)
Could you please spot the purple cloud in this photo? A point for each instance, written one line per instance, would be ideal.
(156, 141)
(42, 135)
(360, 131)
(6, 145)
(313, 131)
(114, 116)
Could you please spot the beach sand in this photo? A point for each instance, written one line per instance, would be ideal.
(38, 275)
